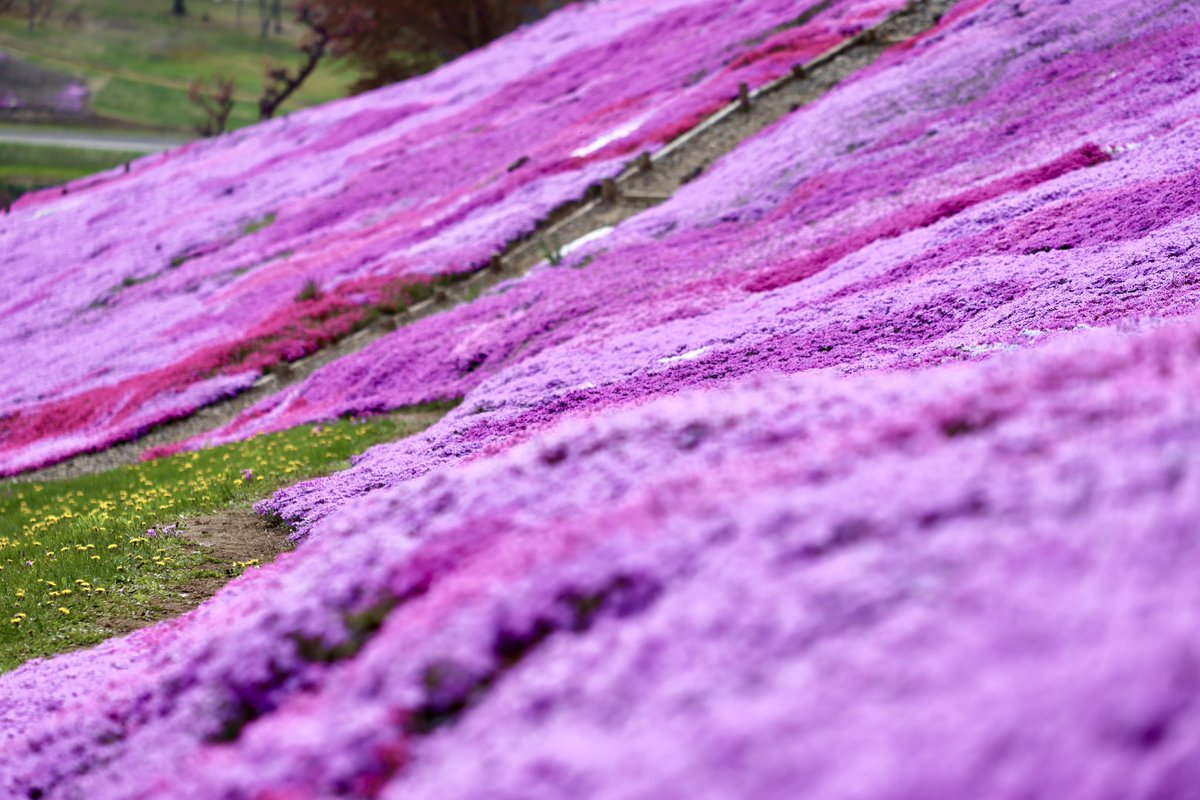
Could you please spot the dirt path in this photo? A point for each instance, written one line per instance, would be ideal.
(226, 539)
(647, 182)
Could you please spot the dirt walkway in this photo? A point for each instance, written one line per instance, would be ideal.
(227, 540)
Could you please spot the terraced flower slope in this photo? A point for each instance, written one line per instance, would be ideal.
(867, 467)
(958, 200)
(202, 256)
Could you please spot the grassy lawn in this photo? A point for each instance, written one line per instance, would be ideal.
(24, 167)
(138, 59)
(78, 555)
(33, 159)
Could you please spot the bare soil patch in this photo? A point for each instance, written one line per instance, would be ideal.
(227, 540)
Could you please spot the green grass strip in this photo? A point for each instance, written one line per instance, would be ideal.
(34, 159)
(76, 562)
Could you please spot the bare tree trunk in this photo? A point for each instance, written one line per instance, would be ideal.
(277, 15)
(264, 19)
(281, 83)
(179, 8)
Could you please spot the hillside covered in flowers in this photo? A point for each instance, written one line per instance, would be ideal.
(866, 466)
(225, 257)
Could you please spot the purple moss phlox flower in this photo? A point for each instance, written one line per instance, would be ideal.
(866, 466)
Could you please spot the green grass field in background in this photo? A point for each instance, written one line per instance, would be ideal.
(26, 167)
(35, 159)
(138, 59)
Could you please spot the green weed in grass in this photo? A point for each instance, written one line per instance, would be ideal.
(77, 562)
(254, 226)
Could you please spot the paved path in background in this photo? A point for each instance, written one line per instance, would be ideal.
(126, 143)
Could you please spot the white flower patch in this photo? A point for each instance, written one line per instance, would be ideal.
(56, 208)
(976, 349)
(587, 238)
(690, 355)
(608, 138)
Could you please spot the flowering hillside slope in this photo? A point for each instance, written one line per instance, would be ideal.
(962, 581)
(961, 198)
(135, 298)
(882, 483)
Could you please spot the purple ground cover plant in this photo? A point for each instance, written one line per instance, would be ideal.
(957, 200)
(140, 295)
(867, 467)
